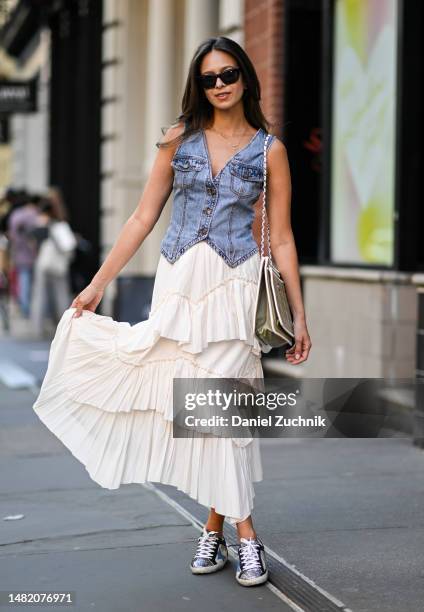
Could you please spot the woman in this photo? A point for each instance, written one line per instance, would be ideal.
(56, 249)
(21, 221)
(108, 389)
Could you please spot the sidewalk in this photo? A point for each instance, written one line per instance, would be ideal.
(123, 550)
(346, 513)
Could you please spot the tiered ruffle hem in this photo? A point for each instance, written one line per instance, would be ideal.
(107, 392)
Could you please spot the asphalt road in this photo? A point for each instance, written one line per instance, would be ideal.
(347, 514)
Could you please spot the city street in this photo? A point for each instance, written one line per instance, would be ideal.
(345, 514)
(233, 188)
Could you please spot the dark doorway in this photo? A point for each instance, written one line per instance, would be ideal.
(410, 134)
(75, 105)
(302, 119)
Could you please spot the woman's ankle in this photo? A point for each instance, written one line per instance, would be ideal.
(214, 528)
(246, 533)
(245, 529)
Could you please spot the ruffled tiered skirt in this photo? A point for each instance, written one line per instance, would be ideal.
(108, 390)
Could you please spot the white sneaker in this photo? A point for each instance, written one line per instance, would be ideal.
(251, 568)
(211, 554)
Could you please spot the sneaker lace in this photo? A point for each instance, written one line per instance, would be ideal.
(249, 555)
(206, 546)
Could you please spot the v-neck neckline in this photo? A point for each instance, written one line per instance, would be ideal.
(205, 144)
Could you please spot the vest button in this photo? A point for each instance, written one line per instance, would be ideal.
(203, 230)
(208, 210)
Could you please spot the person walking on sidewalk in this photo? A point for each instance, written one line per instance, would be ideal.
(23, 251)
(107, 392)
(56, 249)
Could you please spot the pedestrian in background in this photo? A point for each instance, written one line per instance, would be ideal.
(21, 221)
(5, 210)
(56, 248)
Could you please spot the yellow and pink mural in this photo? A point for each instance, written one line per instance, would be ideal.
(363, 131)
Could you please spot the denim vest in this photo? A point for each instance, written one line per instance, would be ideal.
(216, 209)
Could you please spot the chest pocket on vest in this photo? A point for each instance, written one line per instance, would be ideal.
(186, 168)
(246, 180)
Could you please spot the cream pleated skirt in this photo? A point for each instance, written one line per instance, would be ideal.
(107, 393)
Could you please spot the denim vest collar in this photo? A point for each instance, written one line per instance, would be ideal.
(216, 209)
(234, 157)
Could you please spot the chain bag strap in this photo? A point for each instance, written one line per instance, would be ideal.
(273, 318)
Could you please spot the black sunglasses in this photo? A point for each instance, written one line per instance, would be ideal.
(228, 77)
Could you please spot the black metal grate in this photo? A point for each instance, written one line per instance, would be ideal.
(301, 592)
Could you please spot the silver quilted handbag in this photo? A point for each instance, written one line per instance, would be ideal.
(273, 317)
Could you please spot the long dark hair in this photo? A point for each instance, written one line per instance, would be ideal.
(196, 109)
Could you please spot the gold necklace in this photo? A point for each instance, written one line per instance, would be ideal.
(234, 146)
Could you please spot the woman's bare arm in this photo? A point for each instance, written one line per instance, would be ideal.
(283, 246)
(141, 222)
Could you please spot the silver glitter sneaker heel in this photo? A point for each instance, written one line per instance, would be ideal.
(211, 554)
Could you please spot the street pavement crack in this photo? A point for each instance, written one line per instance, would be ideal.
(93, 533)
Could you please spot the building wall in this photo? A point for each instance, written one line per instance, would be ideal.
(29, 139)
(143, 39)
(6, 160)
(263, 35)
(362, 323)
